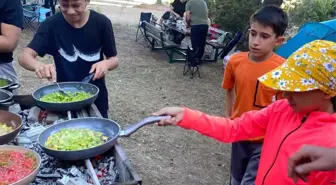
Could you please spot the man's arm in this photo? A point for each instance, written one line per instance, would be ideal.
(176, 14)
(229, 101)
(188, 14)
(39, 46)
(188, 17)
(28, 61)
(11, 25)
(113, 63)
(110, 51)
(228, 85)
(171, 10)
(9, 37)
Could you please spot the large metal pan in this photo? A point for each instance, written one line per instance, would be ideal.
(109, 128)
(67, 86)
(13, 121)
(7, 83)
(31, 177)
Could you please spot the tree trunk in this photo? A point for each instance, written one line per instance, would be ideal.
(158, 1)
(272, 2)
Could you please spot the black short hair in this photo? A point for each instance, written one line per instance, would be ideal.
(272, 16)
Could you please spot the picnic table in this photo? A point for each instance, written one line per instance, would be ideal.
(159, 40)
(176, 29)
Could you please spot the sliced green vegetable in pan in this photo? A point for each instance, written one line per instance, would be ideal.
(70, 139)
(3, 83)
(57, 97)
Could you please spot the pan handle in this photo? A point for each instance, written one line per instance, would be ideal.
(14, 86)
(88, 78)
(133, 128)
(7, 104)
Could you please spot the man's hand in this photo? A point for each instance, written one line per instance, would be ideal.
(175, 113)
(100, 69)
(311, 158)
(47, 71)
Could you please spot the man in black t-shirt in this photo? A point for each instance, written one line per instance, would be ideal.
(81, 41)
(11, 20)
(177, 9)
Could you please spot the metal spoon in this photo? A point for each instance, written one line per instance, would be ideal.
(62, 91)
(86, 80)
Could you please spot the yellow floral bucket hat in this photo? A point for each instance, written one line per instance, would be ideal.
(311, 67)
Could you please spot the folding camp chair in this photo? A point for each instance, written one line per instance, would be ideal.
(191, 64)
(143, 17)
(33, 15)
(232, 44)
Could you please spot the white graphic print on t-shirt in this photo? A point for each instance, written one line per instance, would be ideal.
(73, 58)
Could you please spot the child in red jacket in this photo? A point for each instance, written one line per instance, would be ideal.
(306, 116)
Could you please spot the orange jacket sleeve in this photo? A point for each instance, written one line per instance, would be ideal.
(250, 125)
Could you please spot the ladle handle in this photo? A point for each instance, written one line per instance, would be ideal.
(133, 128)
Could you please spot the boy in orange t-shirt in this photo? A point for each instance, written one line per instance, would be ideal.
(243, 90)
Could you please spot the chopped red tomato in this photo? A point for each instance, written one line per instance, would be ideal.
(14, 166)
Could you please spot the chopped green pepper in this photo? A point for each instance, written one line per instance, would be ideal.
(70, 139)
(57, 97)
(3, 83)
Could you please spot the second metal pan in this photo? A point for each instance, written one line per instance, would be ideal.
(109, 128)
(7, 83)
(67, 86)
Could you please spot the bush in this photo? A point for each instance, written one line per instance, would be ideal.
(232, 15)
(312, 10)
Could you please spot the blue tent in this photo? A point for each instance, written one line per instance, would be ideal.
(309, 32)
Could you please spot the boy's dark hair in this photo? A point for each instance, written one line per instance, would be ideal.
(272, 16)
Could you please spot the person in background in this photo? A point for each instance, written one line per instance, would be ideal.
(197, 19)
(11, 20)
(81, 43)
(174, 15)
(307, 115)
(177, 9)
(243, 90)
(50, 4)
(310, 159)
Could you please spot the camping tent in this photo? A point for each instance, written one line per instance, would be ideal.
(309, 32)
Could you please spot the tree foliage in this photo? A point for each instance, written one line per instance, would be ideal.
(232, 15)
(313, 10)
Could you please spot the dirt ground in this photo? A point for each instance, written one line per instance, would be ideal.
(143, 83)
